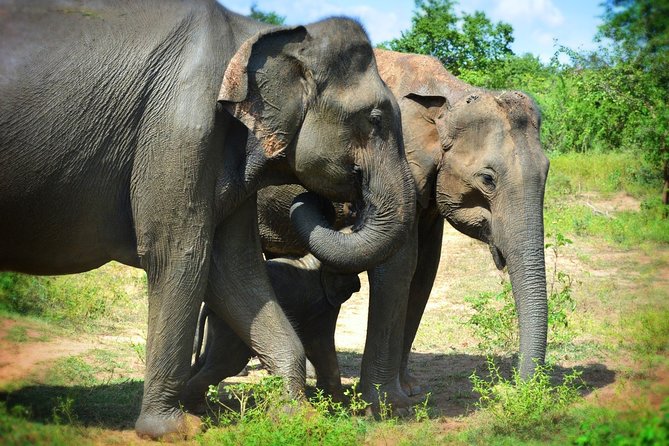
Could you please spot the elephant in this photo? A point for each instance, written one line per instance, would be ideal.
(123, 129)
(311, 295)
(477, 162)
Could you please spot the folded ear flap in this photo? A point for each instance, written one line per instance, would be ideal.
(266, 86)
(422, 117)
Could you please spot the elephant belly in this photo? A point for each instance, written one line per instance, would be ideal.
(50, 225)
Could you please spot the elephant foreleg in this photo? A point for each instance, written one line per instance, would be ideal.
(176, 284)
(430, 234)
(388, 294)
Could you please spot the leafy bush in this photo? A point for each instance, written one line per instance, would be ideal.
(494, 321)
(525, 408)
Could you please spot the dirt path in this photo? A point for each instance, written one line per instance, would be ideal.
(20, 360)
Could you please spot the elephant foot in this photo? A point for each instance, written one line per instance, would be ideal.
(170, 428)
(388, 399)
(410, 384)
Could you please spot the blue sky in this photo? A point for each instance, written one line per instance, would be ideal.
(537, 24)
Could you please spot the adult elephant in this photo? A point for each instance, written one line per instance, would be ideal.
(123, 130)
(477, 162)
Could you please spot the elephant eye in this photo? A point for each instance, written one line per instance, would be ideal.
(375, 117)
(488, 180)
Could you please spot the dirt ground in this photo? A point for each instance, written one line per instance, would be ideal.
(445, 353)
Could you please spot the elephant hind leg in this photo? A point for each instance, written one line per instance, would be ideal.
(318, 338)
(430, 234)
(241, 295)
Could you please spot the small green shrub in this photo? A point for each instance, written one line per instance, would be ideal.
(265, 416)
(525, 408)
(495, 321)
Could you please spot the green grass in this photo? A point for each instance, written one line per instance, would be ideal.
(606, 173)
(569, 210)
(646, 331)
(78, 300)
(18, 333)
(17, 429)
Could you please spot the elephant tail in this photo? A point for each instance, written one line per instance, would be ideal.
(200, 353)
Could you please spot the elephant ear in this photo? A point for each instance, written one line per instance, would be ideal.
(422, 115)
(267, 87)
(422, 87)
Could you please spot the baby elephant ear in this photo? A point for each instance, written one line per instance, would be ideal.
(262, 86)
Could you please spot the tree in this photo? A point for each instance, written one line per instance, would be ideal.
(268, 17)
(468, 42)
(639, 30)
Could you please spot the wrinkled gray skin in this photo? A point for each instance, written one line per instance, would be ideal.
(477, 162)
(311, 295)
(123, 129)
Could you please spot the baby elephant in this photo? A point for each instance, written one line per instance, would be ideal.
(311, 295)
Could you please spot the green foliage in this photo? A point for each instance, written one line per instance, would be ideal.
(648, 430)
(63, 412)
(262, 414)
(356, 403)
(525, 408)
(468, 42)
(495, 321)
(17, 333)
(265, 416)
(268, 17)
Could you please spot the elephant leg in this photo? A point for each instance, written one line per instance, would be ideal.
(176, 285)
(388, 295)
(430, 234)
(225, 355)
(318, 338)
(242, 295)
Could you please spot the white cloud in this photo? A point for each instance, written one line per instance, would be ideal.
(543, 11)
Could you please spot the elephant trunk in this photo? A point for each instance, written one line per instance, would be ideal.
(524, 253)
(388, 207)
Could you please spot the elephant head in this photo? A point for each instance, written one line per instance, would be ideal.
(336, 125)
(477, 153)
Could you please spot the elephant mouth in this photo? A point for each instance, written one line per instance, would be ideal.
(498, 257)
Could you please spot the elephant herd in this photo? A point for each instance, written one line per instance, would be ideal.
(194, 143)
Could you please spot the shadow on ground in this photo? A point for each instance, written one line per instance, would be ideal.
(113, 406)
(446, 377)
(116, 406)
